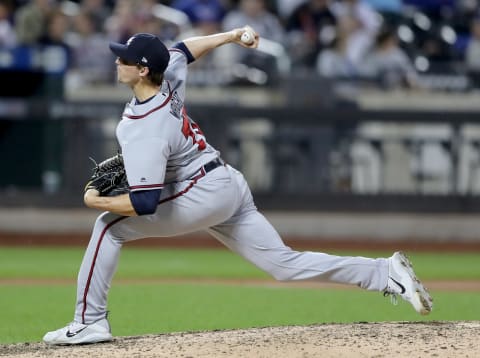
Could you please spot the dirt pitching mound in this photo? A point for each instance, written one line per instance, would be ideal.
(394, 339)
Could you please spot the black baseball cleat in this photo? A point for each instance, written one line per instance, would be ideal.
(403, 281)
(79, 333)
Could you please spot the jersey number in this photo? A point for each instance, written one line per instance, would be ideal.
(192, 130)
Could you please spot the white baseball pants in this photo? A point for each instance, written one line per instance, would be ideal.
(219, 202)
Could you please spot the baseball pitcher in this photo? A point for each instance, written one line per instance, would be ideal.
(178, 183)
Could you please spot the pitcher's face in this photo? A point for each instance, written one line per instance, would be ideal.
(127, 72)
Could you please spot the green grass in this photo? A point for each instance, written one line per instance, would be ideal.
(173, 263)
(143, 263)
(29, 311)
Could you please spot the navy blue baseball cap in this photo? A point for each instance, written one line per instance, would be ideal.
(143, 49)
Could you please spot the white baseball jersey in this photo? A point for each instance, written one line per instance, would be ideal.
(162, 148)
(160, 143)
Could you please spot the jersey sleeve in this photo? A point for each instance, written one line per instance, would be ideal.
(182, 47)
(145, 163)
(177, 69)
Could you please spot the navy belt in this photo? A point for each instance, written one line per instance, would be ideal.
(213, 164)
(217, 162)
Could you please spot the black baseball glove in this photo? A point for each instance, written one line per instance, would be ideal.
(109, 177)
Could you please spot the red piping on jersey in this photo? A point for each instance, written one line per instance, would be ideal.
(90, 274)
(140, 116)
(184, 191)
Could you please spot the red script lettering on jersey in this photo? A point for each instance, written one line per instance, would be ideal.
(192, 130)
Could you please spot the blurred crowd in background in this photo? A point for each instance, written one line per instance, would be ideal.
(315, 51)
(394, 42)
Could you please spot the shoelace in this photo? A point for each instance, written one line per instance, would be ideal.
(393, 297)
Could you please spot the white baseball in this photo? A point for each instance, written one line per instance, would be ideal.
(247, 37)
